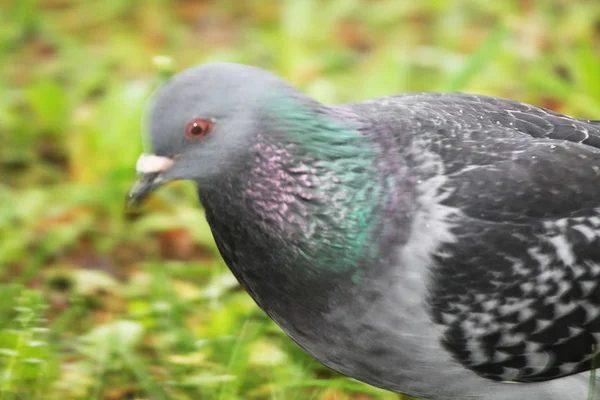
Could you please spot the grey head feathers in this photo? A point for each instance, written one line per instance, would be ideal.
(231, 95)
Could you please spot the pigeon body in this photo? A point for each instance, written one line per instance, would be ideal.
(445, 246)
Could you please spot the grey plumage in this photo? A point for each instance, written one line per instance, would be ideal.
(439, 245)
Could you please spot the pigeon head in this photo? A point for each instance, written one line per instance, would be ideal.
(263, 153)
(201, 123)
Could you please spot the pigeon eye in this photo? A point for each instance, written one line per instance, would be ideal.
(198, 128)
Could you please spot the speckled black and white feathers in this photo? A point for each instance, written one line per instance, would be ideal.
(517, 287)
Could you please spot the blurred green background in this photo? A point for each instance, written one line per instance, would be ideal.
(96, 304)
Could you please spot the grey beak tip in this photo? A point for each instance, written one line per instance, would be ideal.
(145, 184)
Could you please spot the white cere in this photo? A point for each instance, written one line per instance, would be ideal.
(150, 163)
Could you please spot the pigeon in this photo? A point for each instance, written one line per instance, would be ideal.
(439, 245)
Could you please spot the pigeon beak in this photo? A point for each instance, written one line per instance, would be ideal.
(150, 168)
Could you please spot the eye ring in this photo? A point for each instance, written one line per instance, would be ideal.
(198, 128)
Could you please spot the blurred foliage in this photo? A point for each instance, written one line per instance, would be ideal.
(97, 304)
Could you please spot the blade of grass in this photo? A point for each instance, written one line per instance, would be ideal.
(146, 380)
(228, 390)
(478, 60)
(592, 387)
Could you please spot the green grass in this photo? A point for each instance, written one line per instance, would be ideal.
(97, 304)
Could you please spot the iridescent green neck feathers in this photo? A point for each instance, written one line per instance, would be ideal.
(316, 181)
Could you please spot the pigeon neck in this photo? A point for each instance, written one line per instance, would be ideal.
(309, 216)
(316, 183)
(311, 191)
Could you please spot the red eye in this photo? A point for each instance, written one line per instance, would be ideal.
(198, 128)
